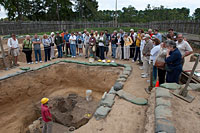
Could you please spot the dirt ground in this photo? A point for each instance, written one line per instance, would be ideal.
(19, 95)
(186, 116)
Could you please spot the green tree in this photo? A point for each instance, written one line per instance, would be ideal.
(197, 14)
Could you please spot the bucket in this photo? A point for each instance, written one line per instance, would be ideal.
(88, 95)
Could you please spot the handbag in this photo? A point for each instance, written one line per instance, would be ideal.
(160, 64)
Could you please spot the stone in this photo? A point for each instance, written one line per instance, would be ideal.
(171, 86)
(163, 112)
(118, 86)
(162, 101)
(113, 64)
(123, 76)
(161, 92)
(194, 86)
(112, 91)
(101, 112)
(127, 72)
(121, 80)
(108, 101)
(128, 68)
(131, 98)
(110, 96)
(164, 126)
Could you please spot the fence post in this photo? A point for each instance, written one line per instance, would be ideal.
(3, 55)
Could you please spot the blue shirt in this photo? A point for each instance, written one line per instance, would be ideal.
(174, 60)
(79, 37)
(66, 37)
(36, 45)
(159, 36)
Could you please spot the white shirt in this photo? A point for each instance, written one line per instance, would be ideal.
(13, 43)
(101, 43)
(73, 39)
(183, 47)
(154, 52)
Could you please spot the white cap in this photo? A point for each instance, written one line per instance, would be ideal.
(131, 29)
(146, 36)
(52, 33)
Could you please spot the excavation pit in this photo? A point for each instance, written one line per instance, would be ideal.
(21, 95)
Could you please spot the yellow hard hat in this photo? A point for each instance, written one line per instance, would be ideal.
(108, 61)
(99, 60)
(44, 100)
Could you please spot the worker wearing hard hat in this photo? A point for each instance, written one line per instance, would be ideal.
(46, 116)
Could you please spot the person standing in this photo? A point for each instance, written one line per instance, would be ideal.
(59, 43)
(27, 49)
(72, 41)
(37, 50)
(184, 47)
(101, 43)
(113, 43)
(86, 43)
(46, 116)
(150, 32)
(118, 50)
(80, 40)
(158, 35)
(13, 49)
(96, 35)
(146, 53)
(127, 42)
(138, 42)
(63, 35)
(133, 36)
(92, 43)
(108, 38)
(52, 44)
(47, 47)
(173, 61)
(66, 38)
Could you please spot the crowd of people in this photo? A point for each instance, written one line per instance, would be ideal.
(166, 53)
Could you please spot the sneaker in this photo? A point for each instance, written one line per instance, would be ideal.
(40, 61)
(36, 62)
(133, 61)
(142, 73)
(29, 63)
(144, 76)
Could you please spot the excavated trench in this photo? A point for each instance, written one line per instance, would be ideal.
(65, 84)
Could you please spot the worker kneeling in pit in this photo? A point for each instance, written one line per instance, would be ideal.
(46, 116)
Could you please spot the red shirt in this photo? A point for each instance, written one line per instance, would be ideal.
(151, 34)
(45, 112)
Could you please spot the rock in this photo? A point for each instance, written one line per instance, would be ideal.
(123, 76)
(118, 86)
(131, 98)
(194, 86)
(121, 79)
(110, 96)
(112, 91)
(108, 101)
(171, 86)
(128, 68)
(161, 92)
(164, 126)
(162, 101)
(101, 112)
(127, 72)
(163, 112)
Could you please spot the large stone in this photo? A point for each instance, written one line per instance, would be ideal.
(171, 86)
(101, 112)
(163, 112)
(126, 72)
(121, 80)
(123, 76)
(108, 101)
(128, 68)
(162, 101)
(194, 86)
(164, 126)
(132, 98)
(162, 92)
(112, 91)
(118, 86)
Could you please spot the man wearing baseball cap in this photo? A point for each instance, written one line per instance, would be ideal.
(46, 116)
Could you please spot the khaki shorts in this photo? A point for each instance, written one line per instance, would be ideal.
(14, 52)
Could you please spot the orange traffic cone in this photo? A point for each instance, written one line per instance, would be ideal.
(157, 84)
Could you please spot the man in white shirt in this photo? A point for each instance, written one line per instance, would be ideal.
(13, 49)
(184, 47)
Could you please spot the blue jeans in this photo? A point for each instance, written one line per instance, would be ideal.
(114, 50)
(60, 53)
(137, 54)
(73, 49)
(38, 52)
(47, 51)
(154, 73)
